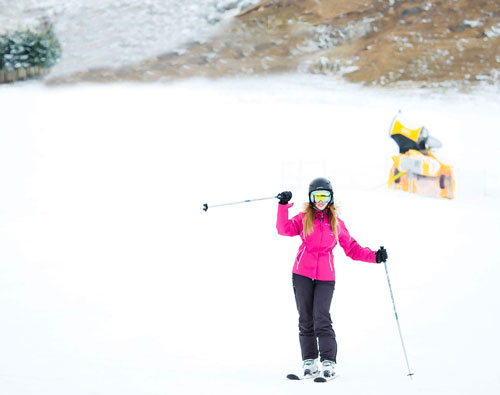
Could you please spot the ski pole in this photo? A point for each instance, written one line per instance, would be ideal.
(206, 206)
(397, 320)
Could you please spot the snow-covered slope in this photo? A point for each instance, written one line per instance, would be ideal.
(99, 33)
(114, 281)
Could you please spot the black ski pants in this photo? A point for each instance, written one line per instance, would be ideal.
(313, 300)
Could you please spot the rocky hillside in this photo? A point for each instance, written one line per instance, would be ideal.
(373, 42)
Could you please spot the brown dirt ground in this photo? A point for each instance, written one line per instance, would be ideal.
(411, 43)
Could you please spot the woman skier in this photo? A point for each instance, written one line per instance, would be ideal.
(313, 272)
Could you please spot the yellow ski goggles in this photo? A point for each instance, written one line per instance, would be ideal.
(321, 196)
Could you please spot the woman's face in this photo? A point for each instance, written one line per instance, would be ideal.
(320, 199)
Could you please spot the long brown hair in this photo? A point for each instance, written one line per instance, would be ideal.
(310, 215)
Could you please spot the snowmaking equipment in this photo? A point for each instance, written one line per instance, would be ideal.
(416, 169)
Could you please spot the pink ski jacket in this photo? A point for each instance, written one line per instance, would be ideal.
(315, 257)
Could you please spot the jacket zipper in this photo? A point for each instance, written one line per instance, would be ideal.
(300, 257)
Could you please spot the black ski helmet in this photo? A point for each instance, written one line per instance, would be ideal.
(320, 184)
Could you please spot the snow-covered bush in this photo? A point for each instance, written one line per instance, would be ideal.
(28, 49)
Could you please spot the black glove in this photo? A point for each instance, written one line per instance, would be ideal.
(381, 255)
(284, 197)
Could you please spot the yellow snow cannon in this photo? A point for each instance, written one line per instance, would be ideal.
(416, 169)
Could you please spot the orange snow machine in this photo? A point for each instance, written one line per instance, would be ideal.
(416, 169)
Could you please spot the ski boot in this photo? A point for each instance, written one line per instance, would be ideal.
(310, 367)
(328, 368)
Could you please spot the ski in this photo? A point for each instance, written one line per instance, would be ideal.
(324, 379)
(293, 376)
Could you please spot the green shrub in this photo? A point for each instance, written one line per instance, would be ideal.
(28, 49)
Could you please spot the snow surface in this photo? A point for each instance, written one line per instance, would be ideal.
(100, 33)
(114, 281)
